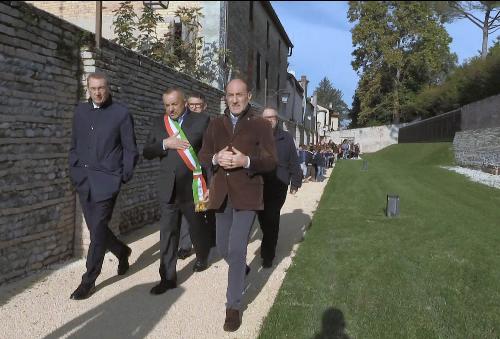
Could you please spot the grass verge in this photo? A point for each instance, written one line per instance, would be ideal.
(432, 272)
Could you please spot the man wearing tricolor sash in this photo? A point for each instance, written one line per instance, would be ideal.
(175, 139)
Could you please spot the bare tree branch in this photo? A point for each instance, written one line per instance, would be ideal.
(495, 18)
(469, 16)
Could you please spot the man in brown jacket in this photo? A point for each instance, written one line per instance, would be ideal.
(239, 146)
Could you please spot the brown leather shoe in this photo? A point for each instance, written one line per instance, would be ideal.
(233, 321)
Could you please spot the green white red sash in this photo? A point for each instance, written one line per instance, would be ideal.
(191, 160)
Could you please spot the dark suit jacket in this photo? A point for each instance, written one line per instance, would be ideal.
(288, 169)
(103, 150)
(173, 172)
(253, 136)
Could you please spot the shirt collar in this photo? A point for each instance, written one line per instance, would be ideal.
(182, 116)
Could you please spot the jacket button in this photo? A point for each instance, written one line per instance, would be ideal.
(227, 174)
(85, 165)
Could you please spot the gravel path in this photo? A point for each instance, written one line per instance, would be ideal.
(477, 176)
(39, 306)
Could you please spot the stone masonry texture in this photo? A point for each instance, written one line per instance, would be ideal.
(478, 148)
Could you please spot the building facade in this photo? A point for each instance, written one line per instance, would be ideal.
(250, 30)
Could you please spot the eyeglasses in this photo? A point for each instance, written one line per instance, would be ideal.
(274, 117)
(196, 105)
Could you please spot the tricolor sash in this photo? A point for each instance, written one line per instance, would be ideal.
(191, 160)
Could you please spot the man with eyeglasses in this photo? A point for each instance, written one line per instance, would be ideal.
(276, 186)
(102, 156)
(196, 103)
(239, 146)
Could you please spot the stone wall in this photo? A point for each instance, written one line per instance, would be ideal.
(39, 87)
(478, 144)
(478, 148)
(370, 139)
(42, 66)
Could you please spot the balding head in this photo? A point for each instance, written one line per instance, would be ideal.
(237, 96)
(271, 115)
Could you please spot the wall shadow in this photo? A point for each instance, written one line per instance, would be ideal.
(292, 228)
(131, 314)
(17, 286)
(332, 325)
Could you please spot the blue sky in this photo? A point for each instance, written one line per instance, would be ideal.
(322, 42)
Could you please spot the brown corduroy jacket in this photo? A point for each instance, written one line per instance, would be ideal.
(253, 136)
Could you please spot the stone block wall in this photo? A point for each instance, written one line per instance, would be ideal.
(38, 90)
(478, 148)
(42, 69)
(370, 139)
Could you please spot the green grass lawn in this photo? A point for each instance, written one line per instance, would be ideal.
(432, 272)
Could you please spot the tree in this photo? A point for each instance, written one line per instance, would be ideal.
(489, 24)
(354, 111)
(184, 52)
(124, 25)
(399, 47)
(330, 97)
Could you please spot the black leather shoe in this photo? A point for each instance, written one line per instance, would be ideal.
(83, 291)
(163, 287)
(266, 263)
(184, 253)
(123, 265)
(200, 266)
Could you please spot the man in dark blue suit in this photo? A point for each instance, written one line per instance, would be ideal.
(102, 156)
(175, 185)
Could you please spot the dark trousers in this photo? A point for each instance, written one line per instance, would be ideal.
(97, 216)
(170, 224)
(185, 242)
(269, 219)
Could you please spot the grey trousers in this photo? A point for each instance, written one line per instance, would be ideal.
(232, 232)
(185, 239)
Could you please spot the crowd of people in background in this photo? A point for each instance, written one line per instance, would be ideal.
(315, 159)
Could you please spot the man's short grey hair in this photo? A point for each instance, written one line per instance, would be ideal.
(176, 89)
(97, 75)
(271, 109)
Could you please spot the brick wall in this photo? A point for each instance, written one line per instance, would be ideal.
(42, 66)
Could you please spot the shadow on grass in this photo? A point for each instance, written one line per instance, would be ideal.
(332, 325)
(292, 228)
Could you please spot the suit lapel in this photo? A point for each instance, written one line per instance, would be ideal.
(188, 121)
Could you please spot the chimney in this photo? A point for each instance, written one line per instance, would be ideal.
(303, 82)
